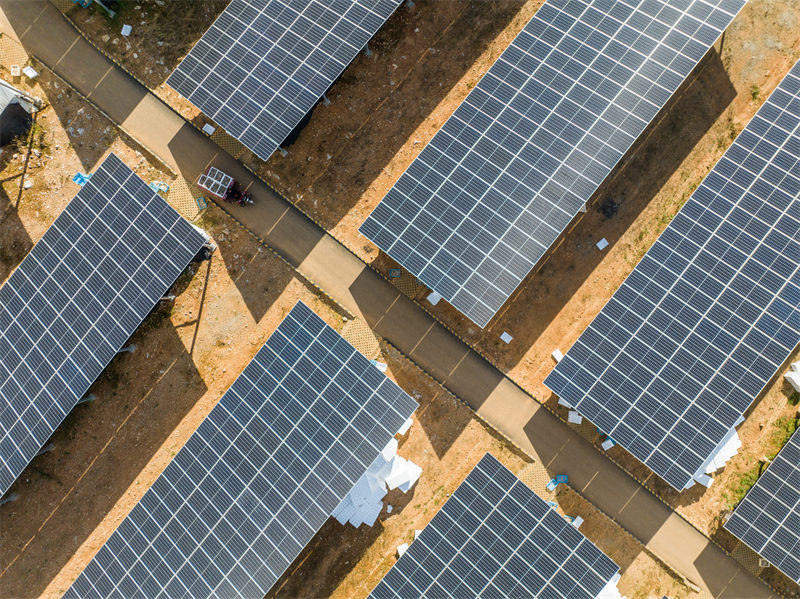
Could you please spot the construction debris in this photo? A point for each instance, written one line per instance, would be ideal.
(364, 502)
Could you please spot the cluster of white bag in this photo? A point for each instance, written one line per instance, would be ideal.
(364, 503)
(793, 376)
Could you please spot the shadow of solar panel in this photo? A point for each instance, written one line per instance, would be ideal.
(259, 477)
(76, 298)
(527, 148)
(768, 518)
(264, 64)
(495, 537)
(707, 317)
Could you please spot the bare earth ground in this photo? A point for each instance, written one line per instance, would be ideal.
(388, 105)
(162, 33)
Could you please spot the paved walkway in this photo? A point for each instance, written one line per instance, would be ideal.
(319, 257)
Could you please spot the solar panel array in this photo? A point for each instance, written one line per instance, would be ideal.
(495, 537)
(264, 64)
(711, 312)
(259, 477)
(524, 152)
(215, 181)
(76, 298)
(768, 518)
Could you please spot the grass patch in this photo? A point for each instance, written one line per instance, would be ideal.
(781, 431)
(784, 428)
(743, 485)
(755, 92)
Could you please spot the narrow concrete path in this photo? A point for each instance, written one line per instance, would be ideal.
(316, 255)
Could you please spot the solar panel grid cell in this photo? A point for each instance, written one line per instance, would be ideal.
(495, 538)
(77, 297)
(260, 475)
(710, 313)
(263, 65)
(530, 144)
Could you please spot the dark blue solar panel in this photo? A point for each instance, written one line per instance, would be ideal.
(531, 143)
(259, 477)
(77, 297)
(710, 313)
(495, 537)
(263, 64)
(768, 518)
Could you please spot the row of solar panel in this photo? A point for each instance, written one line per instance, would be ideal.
(494, 537)
(768, 518)
(262, 66)
(261, 474)
(710, 313)
(77, 297)
(703, 323)
(525, 151)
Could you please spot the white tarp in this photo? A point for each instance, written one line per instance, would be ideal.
(793, 376)
(364, 503)
(610, 591)
(727, 448)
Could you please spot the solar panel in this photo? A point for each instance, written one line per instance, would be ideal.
(531, 143)
(76, 298)
(259, 477)
(264, 64)
(711, 312)
(768, 518)
(494, 537)
(215, 181)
